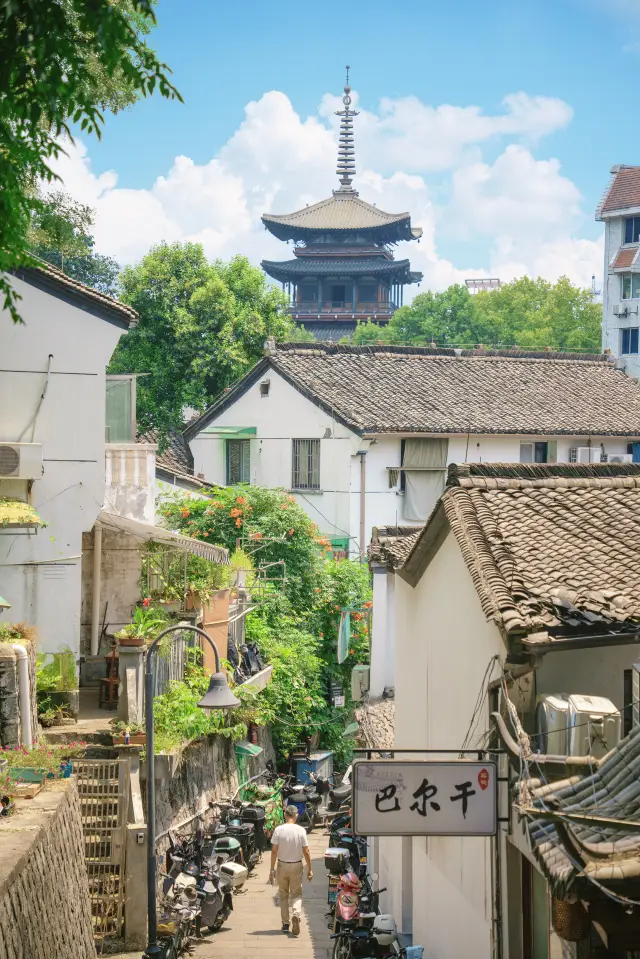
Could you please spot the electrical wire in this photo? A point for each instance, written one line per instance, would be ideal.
(32, 422)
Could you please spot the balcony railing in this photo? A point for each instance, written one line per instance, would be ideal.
(312, 307)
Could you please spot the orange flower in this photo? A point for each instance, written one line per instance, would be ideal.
(352, 652)
(316, 589)
(291, 532)
(357, 615)
(205, 533)
(217, 504)
(368, 605)
(255, 535)
(241, 500)
(284, 506)
(238, 522)
(291, 499)
(235, 512)
(185, 513)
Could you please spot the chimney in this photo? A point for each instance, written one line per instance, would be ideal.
(269, 346)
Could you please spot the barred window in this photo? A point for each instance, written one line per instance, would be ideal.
(306, 464)
(238, 462)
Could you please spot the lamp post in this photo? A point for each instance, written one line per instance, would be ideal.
(218, 696)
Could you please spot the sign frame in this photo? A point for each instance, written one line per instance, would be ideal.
(426, 763)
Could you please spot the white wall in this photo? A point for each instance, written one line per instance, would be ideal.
(595, 672)
(70, 425)
(443, 647)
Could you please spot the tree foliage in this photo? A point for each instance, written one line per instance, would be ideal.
(62, 63)
(531, 314)
(201, 326)
(60, 233)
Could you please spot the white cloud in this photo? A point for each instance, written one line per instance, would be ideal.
(519, 211)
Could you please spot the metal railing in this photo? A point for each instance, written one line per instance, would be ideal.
(170, 662)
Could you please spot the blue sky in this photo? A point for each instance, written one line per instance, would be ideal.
(581, 56)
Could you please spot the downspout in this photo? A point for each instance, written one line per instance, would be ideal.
(95, 591)
(363, 495)
(25, 696)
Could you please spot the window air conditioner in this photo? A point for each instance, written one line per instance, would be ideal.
(620, 458)
(594, 725)
(20, 461)
(359, 682)
(551, 724)
(619, 309)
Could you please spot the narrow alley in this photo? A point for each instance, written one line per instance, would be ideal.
(254, 926)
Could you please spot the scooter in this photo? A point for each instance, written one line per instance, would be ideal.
(306, 800)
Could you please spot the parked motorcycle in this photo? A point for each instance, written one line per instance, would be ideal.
(231, 825)
(378, 941)
(305, 798)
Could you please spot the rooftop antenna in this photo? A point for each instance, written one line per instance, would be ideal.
(346, 167)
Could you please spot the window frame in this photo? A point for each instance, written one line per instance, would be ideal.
(312, 469)
(633, 279)
(244, 445)
(133, 428)
(627, 333)
(633, 220)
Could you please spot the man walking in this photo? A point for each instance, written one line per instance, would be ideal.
(289, 844)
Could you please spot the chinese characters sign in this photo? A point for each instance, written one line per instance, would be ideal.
(395, 798)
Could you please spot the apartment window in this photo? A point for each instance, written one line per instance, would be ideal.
(305, 472)
(632, 229)
(120, 409)
(534, 452)
(630, 284)
(238, 459)
(629, 340)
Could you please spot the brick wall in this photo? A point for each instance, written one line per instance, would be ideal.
(44, 893)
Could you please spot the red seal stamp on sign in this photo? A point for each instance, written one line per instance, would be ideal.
(483, 778)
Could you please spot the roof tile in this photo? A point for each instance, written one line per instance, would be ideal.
(624, 191)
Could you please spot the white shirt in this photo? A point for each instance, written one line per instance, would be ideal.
(290, 840)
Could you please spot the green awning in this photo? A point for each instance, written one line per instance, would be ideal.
(4, 603)
(231, 430)
(245, 748)
(16, 514)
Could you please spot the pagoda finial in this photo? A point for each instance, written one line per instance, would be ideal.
(346, 168)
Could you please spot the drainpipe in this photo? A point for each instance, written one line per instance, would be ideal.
(363, 493)
(25, 697)
(95, 594)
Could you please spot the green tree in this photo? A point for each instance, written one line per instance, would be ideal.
(60, 233)
(201, 326)
(61, 63)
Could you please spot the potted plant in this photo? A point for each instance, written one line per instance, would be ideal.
(42, 761)
(147, 622)
(127, 734)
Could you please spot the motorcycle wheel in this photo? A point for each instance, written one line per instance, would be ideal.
(308, 821)
(341, 949)
(221, 918)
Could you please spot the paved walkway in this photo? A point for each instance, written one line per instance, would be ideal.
(253, 928)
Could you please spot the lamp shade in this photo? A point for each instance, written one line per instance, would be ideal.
(218, 695)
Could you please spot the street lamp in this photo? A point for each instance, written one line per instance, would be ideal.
(218, 696)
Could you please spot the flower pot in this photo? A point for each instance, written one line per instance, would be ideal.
(29, 775)
(171, 605)
(136, 739)
(131, 641)
(65, 770)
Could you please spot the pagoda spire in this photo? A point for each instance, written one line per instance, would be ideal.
(346, 167)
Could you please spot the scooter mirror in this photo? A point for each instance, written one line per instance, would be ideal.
(375, 876)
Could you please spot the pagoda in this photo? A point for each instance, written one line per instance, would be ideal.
(343, 268)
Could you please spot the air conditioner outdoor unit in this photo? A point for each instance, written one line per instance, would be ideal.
(620, 458)
(588, 454)
(594, 725)
(551, 723)
(619, 309)
(20, 461)
(359, 682)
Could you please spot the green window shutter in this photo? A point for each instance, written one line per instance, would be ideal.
(238, 462)
(552, 452)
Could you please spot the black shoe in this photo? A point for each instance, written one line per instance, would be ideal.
(285, 927)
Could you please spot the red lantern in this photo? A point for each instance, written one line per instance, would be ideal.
(483, 778)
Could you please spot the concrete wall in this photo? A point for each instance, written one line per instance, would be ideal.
(443, 647)
(130, 477)
(71, 427)
(11, 732)
(119, 588)
(44, 891)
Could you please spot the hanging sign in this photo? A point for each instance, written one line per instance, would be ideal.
(396, 798)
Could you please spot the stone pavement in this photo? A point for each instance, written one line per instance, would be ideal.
(253, 928)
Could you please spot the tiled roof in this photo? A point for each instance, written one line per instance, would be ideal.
(623, 192)
(377, 720)
(574, 854)
(329, 330)
(176, 458)
(406, 389)
(46, 274)
(340, 266)
(392, 544)
(344, 211)
(551, 549)
(625, 257)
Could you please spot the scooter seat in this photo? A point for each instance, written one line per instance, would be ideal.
(340, 792)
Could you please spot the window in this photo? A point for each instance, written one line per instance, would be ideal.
(629, 339)
(632, 229)
(424, 462)
(305, 473)
(338, 295)
(368, 292)
(534, 452)
(238, 458)
(630, 285)
(120, 409)
(308, 292)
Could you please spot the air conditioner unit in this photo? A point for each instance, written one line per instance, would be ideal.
(20, 461)
(588, 454)
(635, 694)
(620, 458)
(359, 682)
(619, 309)
(594, 725)
(551, 721)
